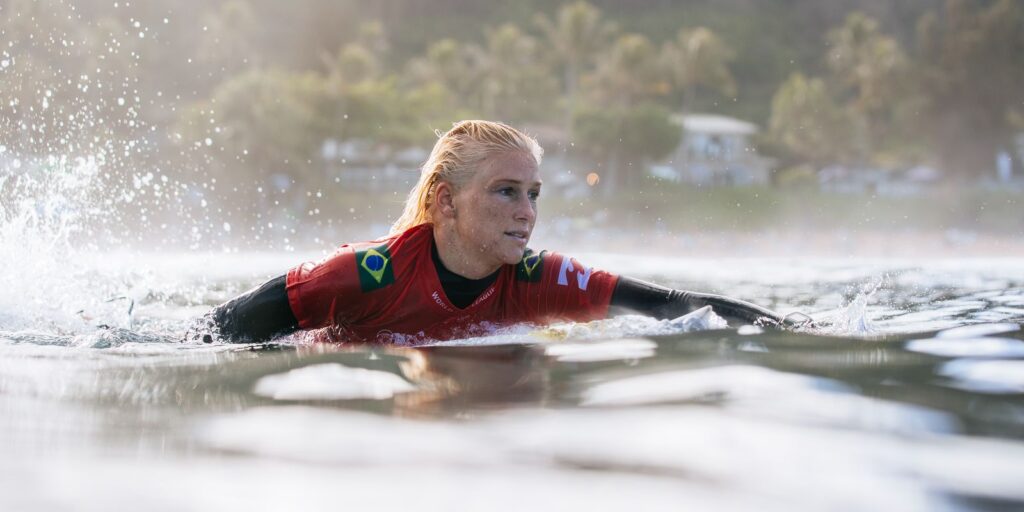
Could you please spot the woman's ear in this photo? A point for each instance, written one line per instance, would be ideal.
(445, 199)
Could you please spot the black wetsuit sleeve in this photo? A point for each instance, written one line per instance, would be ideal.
(661, 302)
(257, 315)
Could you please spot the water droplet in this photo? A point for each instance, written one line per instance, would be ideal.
(120, 101)
(209, 141)
(16, 164)
(227, 227)
(4, 63)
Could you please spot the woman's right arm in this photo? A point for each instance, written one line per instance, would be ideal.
(257, 315)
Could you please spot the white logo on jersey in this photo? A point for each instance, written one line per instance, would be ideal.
(437, 299)
(581, 279)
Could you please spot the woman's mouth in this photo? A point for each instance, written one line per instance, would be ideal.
(521, 236)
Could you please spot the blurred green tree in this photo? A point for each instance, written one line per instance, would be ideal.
(628, 72)
(372, 36)
(698, 59)
(619, 92)
(626, 139)
(359, 60)
(516, 85)
(383, 113)
(869, 71)
(972, 68)
(576, 36)
(807, 122)
(262, 122)
(454, 66)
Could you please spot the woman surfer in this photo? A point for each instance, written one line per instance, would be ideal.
(456, 263)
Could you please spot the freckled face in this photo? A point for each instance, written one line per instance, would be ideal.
(497, 208)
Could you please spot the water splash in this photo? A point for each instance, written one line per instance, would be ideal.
(82, 173)
(49, 247)
(854, 319)
(629, 326)
(625, 326)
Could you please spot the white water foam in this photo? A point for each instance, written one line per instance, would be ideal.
(625, 326)
(49, 282)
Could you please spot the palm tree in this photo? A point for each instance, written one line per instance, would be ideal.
(576, 35)
(458, 68)
(628, 74)
(698, 58)
(866, 66)
(514, 81)
(628, 71)
(807, 122)
(864, 61)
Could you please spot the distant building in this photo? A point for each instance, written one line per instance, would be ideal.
(884, 182)
(714, 150)
(361, 164)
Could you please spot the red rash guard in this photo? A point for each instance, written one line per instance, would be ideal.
(388, 291)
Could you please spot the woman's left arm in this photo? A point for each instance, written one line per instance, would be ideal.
(661, 302)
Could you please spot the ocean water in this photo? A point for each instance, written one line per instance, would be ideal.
(909, 396)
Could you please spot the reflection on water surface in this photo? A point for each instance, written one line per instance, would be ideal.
(911, 400)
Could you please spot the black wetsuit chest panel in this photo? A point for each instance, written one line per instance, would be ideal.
(461, 291)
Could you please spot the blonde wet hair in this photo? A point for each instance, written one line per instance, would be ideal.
(455, 157)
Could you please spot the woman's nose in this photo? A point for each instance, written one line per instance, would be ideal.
(526, 210)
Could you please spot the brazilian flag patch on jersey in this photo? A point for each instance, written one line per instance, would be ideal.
(375, 269)
(529, 269)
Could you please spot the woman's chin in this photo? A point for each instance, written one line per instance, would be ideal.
(513, 255)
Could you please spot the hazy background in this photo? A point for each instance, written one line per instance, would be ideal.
(854, 127)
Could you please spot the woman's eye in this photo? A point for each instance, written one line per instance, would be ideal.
(534, 194)
(507, 191)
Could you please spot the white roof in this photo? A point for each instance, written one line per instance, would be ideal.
(710, 123)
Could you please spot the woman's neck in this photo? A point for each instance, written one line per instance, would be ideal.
(459, 259)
